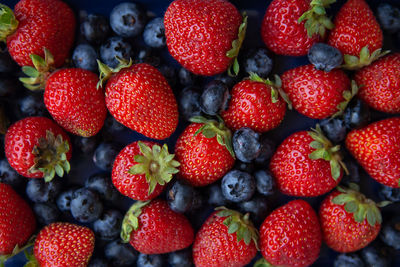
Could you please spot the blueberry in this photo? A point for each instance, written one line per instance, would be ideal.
(238, 186)
(8, 87)
(145, 260)
(257, 208)
(389, 193)
(86, 145)
(108, 226)
(267, 150)
(354, 171)
(215, 98)
(389, 17)
(98, 262)
(64, 200)
(86, 206)
(189, 102)
(32, 105)
(246, 144)
(264, 182)
(154, 33)
(147, 55)
(334, 129)
(180, 197)
(324, 57)
(115, 47)
(40, 191)
(104, 156)
(181, 258)
(198, 199)
(95, 28)
(348, 260)
(258, 61)
(215, 196)
(46, 213)
(244, 166)
(8, 175)
(127, 19)
(120, 254)
(373, 258)
(186, 78)
(229, 81)
(357, 114)
(84, 57)
(101, 183)
(7, 64)
(169, 73)
(390, 235)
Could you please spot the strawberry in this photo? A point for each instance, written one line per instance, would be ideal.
(36, 24)
(291, 235)
(349, 220)
(255, 103)
(139, 97)
(142, 169)
(376, 147)
(37, 147)
(381, 83)
(63, 244)
(205, 152)
(151, 227)
(307, 164)
(204, 36)
(315, 93)
(291, 27)
(226, 238)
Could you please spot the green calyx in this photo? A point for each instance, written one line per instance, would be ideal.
(365, 58)
(131, 220)
(31, 260)
(17, 250)
(37, 75)
(212, 128)
(348, 96)
(51, 156)
(316, 20)
(8, 22)
(156, 164)
(106, 72)
(239, 224)
(276, 88)
(262, 263)
(325, 150)
(233, 69)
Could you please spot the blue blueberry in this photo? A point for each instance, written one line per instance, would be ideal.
(390, 235)
(348, 260)
(127, 19)
(228, 80)
(169, 73)
(8, 175)
(215, 98)
(389, 17)
(373, 258)
(95, 28)
(258, 61)
(39, 191)
(325, 57)
(357, 114)
(32, 105)
(63, 200)
(149, 56)
(264, 182)
(246, 144)
(86, 145)
(244, 166)
(145, 260)
(8, 87)
(7, 64)
(86, 206)
(104, 156)
(215, 196)
(334, 129)
(108, 226)
(98, 262)
(46, 213)
(85, 57)
(101, 184)
(120, 254)
(180, 197)
(181, 258)
(267, 150)
(189, 102)
(257, 208)
(198, 200)
(354, 171)
(186, 78)
(115, 47)
(238, 186)
(389, 193)
(154, 33)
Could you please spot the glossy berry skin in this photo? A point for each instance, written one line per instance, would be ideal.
(203, 160)
(8, 175)
(154, 260)
(46, 213)
(355, 27)
(95, 28)
(189, 102)
(63, 200)
(291, 235)
(180, 197)
(140, 98)
(120, 254)
(108, 226)
(324, 57)
(381, 83)
(340, 230)
(101, 183)
(115, 47)
(246, 144)
(40, 191)
(348, 260)
(104, 155)
(84, 57)
(335, 129)
(64, 244)
(127, 19)
(161, 230)
(280, 30)
(86, 206)
(154, 33)
(251, 106)
(198, 43)
(376, 148)
(238, 186)
(22, 136)
(214, 246)
(182, 258)
(42, 24)
(265, 183)
(389, 18)
(298, 175)
(17, 221)
(258, 61)
(215, 98)
(315, 93)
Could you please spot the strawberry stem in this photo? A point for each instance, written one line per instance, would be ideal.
(348, 95)
(365, 58)
(106, 72)
(131, 220)
(315, 17)
(8, 22)
(233, 69)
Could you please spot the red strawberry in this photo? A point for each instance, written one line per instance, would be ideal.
(142, 169)
(37, 147)
(315, 93)
(306, 164)
(204, 36)
(153, 228)
(291, 27)
(64, 244)
(349, 220)
(291, 235)
(381, 84)
(377, 148)
(226, 238)
(38, 24)
(204, 151)
(255, 103)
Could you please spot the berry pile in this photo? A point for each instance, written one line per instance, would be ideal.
(192, 133)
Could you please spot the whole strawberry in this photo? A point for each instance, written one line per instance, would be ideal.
(37, 147)
(151, 227)
(226, 238)
(205, 152)
(377, 148)
(204, 36)
(142, 169)
(307, 164)
(38, 24)
(291, 235)
(349, 220)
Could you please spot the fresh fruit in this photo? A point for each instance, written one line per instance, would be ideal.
(154, 260)
(38, 24)
(40, 191)
(95, 28)
(226, 238)
(182, 258)
(115, 47)
(154, 33)
(214, 98)
(238, 186)
(108, 226)
(180, 197)
(101, 183)
(104, 155)
(356, 115)
(46, 213)
(267, 150)
(120, 254)
(389, 17)
(291, 235)
(189, 102)
(348, 260)
(258, 61)
(203, 46)
(127, 19)
(86, 206)
(151, 227)
(36, 147)
(324, 57)
(376, 147)
(374, 258)
(215, 198)
(64, 200)
(335, 129)
(8, 175)
(246, 144)
(265, 183)
(84, 57)
(390, 235)
(389, 193)
(257, 207)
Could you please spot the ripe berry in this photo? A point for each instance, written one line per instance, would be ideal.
(238, 186)
(127, 19)
(104, 156)
(154, 33)
(214, 98)
(46, 213)
(40, 191)
(154, 260)
(180, 197)
(108, 226)
(246, 144)
(258, 61)
(189, 102)
(84, 57)
(350, 260)
(389, 17)
(115, 47)
(181, 258)
(264, 182)
(86, 205)
(120, 254)
(325, 57)
(95, 28)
